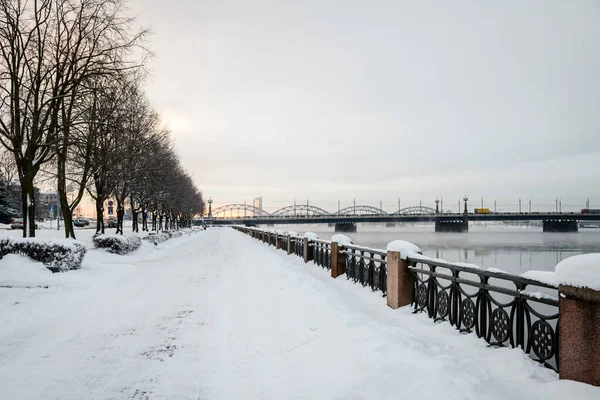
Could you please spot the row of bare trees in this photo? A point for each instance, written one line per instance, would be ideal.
(72, 103)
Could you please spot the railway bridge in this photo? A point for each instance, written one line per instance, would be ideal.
(345, 219)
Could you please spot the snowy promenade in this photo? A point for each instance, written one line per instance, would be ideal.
(217, 315)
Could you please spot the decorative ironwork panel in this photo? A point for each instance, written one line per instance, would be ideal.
(322, 253)
(506, 310)
(298, 246)
(367, 267)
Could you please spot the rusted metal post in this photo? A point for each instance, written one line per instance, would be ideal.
(277, 244)
(579, 334)
(399, 281)
(308, 251)
(338, 261)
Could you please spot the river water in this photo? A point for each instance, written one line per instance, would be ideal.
(512, 249)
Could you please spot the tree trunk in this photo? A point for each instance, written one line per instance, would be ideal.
(28, 205)
(134, 216)
(120, 214)
(99, 216)
(64, 201)
(144, 220)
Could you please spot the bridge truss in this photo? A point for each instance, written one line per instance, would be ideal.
(239, 210)
(415, 210)
(361, 210)
(303, 210)
(300, 209)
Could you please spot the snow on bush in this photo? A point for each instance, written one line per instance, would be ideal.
(311, 235)
(341, 239)
(21, 271)
(155, 239)
(56, 255)
(166, 235)
(406, 249)
(581, 271)
(117, 244)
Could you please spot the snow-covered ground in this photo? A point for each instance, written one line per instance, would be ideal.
(218, 315)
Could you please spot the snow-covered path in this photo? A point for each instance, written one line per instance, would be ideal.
(217, 315)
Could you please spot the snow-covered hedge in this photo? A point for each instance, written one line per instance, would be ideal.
(166, 235)
(56, 255)
(117, 244)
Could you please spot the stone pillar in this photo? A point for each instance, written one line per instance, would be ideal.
(277, 244)
(579, 334)
(290, 248)
(338, 261)
(399, 281)
(308, 251)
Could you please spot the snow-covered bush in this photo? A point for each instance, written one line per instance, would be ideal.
(157, 238)
(166, 235)
(57, 256)
(174, 234)
(117, 244)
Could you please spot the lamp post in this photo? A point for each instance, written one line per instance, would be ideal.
(465, 199)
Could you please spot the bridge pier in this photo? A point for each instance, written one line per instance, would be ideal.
(345, 227)
(560, 226)
(451, 225)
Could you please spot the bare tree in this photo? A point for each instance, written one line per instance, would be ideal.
(28, 103)
(91, 40)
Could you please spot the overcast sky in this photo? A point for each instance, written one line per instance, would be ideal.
(381, 99)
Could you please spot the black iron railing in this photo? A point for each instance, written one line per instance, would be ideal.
(297, 245)
(321, 252)
(506, 310)
(366, 266)
(283, 241)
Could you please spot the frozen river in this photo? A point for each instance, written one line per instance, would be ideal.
(512, 249)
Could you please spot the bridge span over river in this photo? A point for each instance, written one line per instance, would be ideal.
(345, 220)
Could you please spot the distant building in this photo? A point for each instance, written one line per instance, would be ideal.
(257, 203)
(49, 198)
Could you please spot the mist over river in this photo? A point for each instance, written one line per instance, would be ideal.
(512, 249)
